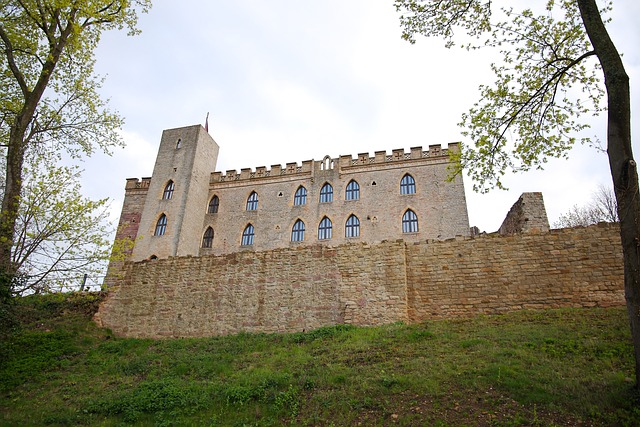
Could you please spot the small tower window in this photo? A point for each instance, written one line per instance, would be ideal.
(409, 222)
(353, 191)
(207, 239)
(248, 235)
(324, 229)
(252, 202)
(407, 185)
(297, 232)
(352, 227)
(178, 143)
(168, 190)
(326, 193)
(214, 204)
(300, 198)
(161, 226)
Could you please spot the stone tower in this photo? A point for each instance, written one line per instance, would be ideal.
(177, 197)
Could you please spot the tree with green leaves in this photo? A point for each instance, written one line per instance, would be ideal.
(49, 90)
(60, 234)
(548, 84)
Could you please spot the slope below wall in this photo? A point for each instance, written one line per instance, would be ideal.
(287, 290)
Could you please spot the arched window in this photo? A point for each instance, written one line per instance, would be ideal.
(352, 227)
(252, 201)
(407, 185)
(300, 198)
(207, 239)
(297, 232)
(214, 204)
(327, 163)
(178, 143)
(353, 190)
(326, 193)
(168, 190)
(324, 229)
(247, 235)
(161, 226)
(409, 222)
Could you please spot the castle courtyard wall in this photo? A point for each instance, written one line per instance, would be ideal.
(302, 288)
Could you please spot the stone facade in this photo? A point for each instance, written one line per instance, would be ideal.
(526, 215)
(186, 160)
(301, 288)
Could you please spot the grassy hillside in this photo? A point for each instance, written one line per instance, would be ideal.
(555, 367)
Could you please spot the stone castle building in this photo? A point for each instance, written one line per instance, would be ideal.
(363, 241)
(189, 208)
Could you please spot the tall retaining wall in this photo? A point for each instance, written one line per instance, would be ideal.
(296, 289)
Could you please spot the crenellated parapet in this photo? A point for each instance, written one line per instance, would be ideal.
(137, 184)
(343, 162)
(262, 172)
(399, 155)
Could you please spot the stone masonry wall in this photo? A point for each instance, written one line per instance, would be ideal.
(526, 215)
(296, 289)
(580, 267)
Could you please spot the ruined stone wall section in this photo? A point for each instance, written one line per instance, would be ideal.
(296, 289)
(527, 215)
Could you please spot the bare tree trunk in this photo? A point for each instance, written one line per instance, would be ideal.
(623, 167)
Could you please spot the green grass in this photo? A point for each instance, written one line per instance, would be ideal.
(553, 367)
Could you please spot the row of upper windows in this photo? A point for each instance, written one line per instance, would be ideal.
(325, 229)
(352, 192)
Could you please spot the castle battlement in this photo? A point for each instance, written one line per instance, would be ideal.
(137, 184)
(397, 155)
(263, 172)
(343, 162)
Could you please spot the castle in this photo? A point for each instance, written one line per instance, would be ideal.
(187, 208)
(363, 241)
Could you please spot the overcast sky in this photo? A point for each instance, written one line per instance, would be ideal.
(288, 80)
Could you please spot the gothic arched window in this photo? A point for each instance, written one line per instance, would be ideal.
(248, 235)
(214, 204)
(252, 201)
(161, 226)
(407, 185)
(352, 227)
(168, 190)
(300, 198)
(353, 190)
(409, 222)
(207, 239)
(324, 229)
(297, 232)
(326, 193)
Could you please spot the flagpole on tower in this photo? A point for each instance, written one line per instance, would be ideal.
(206, 123)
